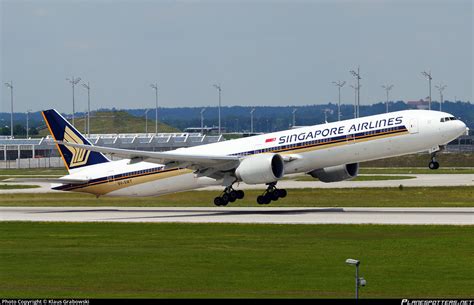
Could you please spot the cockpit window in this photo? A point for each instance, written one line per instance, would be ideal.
(451, 118)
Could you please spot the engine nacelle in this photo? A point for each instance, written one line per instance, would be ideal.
(261, 168)
(336, 173)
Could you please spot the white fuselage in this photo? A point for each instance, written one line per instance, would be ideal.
(313, 147)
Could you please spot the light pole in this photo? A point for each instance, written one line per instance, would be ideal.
(10, 85)
(155, 87)
(74, 82)
(251, 120)
(339, 85)
(218, 87)
(387, 89)
(88, 87)
(202, 120)
(428, 76)
(359, 281)
(440, 88)
(356, 89)
(146, 121)
(27, 122)
(294, 117)
(357, 76)
(85, 123)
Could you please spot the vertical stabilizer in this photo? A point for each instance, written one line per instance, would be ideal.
(73, 157)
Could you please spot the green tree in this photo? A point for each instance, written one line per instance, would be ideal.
(33, 131)
(19, 130)
(5, 131)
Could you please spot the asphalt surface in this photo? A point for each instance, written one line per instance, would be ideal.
(400, 216)
(425, 180)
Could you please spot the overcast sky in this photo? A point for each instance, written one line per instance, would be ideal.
(261, 52)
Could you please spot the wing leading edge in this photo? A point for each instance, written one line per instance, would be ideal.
(167, 158)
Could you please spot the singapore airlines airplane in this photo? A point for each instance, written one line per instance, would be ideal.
(330, 152)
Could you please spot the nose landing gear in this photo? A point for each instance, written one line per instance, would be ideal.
(433, 163)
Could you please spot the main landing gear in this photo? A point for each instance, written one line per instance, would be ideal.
(228, 195)
(433, 163)
(272, 193)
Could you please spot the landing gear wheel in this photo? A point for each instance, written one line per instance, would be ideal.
(228, 195)
(218, 201)
(225, 199)
(274, 195)
(433, 165)
(232, 196)
(240, 194)
(263, 199)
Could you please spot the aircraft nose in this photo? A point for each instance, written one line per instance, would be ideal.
(461, 127)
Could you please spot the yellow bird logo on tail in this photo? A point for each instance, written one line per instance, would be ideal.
(79, 155)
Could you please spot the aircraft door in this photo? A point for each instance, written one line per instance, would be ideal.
(110, 175)
(413, 126)
(350, 138)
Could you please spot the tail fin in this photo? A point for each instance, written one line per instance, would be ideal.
(73, 157)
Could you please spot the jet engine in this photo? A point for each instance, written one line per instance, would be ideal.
(336, 173)
(261, 168)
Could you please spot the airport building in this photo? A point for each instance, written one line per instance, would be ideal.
(42, 152)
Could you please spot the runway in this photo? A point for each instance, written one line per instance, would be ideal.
(261, 215)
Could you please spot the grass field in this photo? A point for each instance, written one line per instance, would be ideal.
(416, 170)
(357, 197)
(33, 171)
(75, 260)
(359, 178)
(421, 160)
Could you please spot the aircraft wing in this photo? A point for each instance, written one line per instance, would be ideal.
(168, 158)
(48, 180)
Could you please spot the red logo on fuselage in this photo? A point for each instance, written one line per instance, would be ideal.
(270, 140)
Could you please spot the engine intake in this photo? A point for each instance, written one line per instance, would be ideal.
(262, 168)
(336, 173)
